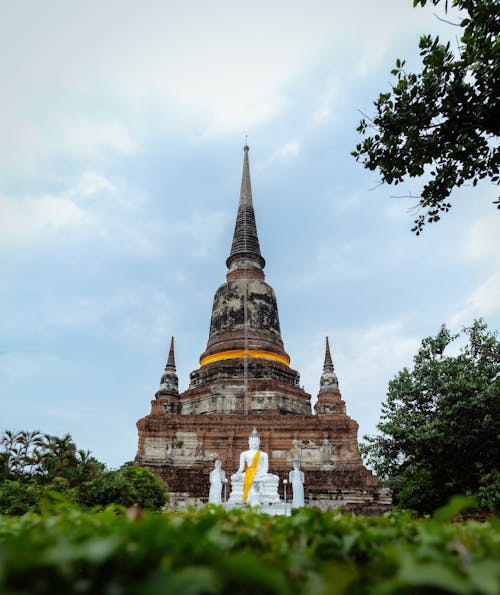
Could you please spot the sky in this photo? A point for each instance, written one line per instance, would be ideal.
(122, 125)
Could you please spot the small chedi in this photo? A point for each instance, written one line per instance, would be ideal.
(245, 380)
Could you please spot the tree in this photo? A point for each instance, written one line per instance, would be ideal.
(129, 486)
(62, 459)
(440, 425)
(21, 454)
(26, 456)
(444, 121)
(34, 465)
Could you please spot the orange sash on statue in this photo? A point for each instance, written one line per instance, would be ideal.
(250, 475)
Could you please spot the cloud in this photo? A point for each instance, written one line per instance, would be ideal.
(89, 206)
(140, 315)
(375, 350)
(330, 94)
(483, 239)
(90, 136)
(485, 299)
(91, 183)
(200, 233)
(25, 220)
(290, 149)
(283, 153)
(482, 247)
(481, 302)
(200, 61)
(334, 261)
(17, 366)
(29, 138)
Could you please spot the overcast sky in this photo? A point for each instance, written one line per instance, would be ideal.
(122, 125)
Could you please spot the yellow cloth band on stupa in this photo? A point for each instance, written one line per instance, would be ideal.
(235, 353)
(250, 475)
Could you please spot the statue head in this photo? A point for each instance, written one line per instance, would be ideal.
(296, 464)
(218, 463)
(254, 440)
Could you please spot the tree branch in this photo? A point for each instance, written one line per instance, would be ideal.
(445, 21)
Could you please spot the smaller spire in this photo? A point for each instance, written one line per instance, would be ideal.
(329, 397)
(328, 378)
(171, 357)
(328, 365)
(169, 383)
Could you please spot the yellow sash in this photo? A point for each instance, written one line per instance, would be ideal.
(250, 475)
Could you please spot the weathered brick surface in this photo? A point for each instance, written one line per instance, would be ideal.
(182, 448)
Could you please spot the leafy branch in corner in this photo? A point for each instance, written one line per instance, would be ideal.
(444, 121)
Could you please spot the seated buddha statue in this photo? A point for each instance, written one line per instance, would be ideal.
(252, 483)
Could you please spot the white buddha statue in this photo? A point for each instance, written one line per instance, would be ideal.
(252, 483)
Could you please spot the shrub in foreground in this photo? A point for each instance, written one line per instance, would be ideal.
(211, 551)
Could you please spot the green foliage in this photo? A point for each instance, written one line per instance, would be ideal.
(35, 466)
(443, 121)
(211, 551)
(128, 486)
(440, 425)
(18, 498)
(21, 454)
(33, 456)
(488, 494)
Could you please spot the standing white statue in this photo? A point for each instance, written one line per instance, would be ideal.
(217, 478)
(296, 478)
(254, 465)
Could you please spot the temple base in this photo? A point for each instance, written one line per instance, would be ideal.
(181, 450)
(277, 509)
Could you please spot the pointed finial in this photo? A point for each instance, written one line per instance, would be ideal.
(328, 378)
(328, 365)
(246, 147)
(171, 356)
(254, 432)
(169, 383)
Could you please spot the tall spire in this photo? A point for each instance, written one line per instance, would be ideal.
(245, 249)
(245, 324)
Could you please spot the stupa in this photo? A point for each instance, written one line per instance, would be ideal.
(244, 381)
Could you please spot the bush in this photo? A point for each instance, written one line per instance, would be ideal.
(19, 498)
(128, 486)
(211, 551)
